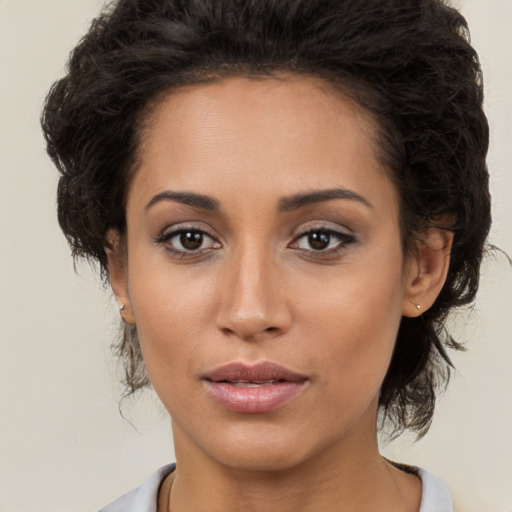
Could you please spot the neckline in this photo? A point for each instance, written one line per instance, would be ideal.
(164, 490)
(164, 493)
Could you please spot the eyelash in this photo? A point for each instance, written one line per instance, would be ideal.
(344, 239)
(165, 238)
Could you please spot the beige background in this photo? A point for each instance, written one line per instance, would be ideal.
(63, 443)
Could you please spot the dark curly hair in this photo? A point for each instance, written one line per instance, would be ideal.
(407, 61)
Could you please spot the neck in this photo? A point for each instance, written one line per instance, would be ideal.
(348, 476)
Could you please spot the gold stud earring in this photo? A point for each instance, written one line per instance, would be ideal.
(418, 307)
(122, 307)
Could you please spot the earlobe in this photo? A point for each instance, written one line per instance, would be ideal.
(427, 271)
(117, 273)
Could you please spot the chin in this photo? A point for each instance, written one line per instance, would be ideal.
(261, 460)
(263, 450)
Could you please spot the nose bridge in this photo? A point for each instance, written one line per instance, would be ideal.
(252, 302)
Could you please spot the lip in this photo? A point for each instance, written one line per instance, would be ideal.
(253, 388)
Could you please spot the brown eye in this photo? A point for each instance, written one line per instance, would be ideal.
(183, 241)
(191, 240)
(323, 242)
(319, 240)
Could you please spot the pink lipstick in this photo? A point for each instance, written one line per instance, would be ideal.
(258, 388)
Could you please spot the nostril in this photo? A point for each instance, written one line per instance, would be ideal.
(251, 334)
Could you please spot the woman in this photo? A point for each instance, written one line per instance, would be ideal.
(287, 198)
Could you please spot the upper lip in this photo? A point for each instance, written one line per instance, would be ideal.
(258, 372)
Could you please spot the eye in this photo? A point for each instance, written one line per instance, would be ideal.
(184, 241)
(322, 240)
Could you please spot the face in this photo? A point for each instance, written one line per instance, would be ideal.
(264, 270)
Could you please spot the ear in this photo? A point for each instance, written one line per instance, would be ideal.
(427, 271)
(117, 273)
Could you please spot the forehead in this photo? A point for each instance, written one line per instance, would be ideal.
(287, 102)
(277, 134)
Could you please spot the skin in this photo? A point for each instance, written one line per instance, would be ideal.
(256, 290)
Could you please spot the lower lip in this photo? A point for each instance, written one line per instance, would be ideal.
(254, 399)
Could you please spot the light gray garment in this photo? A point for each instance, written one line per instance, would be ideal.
(435, 497)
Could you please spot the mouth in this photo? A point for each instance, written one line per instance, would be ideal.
(259, 388)
(252, 383)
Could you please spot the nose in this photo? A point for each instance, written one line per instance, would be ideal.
(253, 305)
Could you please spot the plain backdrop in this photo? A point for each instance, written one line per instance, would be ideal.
(64, 446)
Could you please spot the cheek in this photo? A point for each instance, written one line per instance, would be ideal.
(354, 321)
(169, 308)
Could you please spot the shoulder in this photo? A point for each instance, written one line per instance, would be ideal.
(436, 496)
(143, 498)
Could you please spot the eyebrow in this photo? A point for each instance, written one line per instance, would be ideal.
(296, 201)
(188, 198)
(286, 204)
